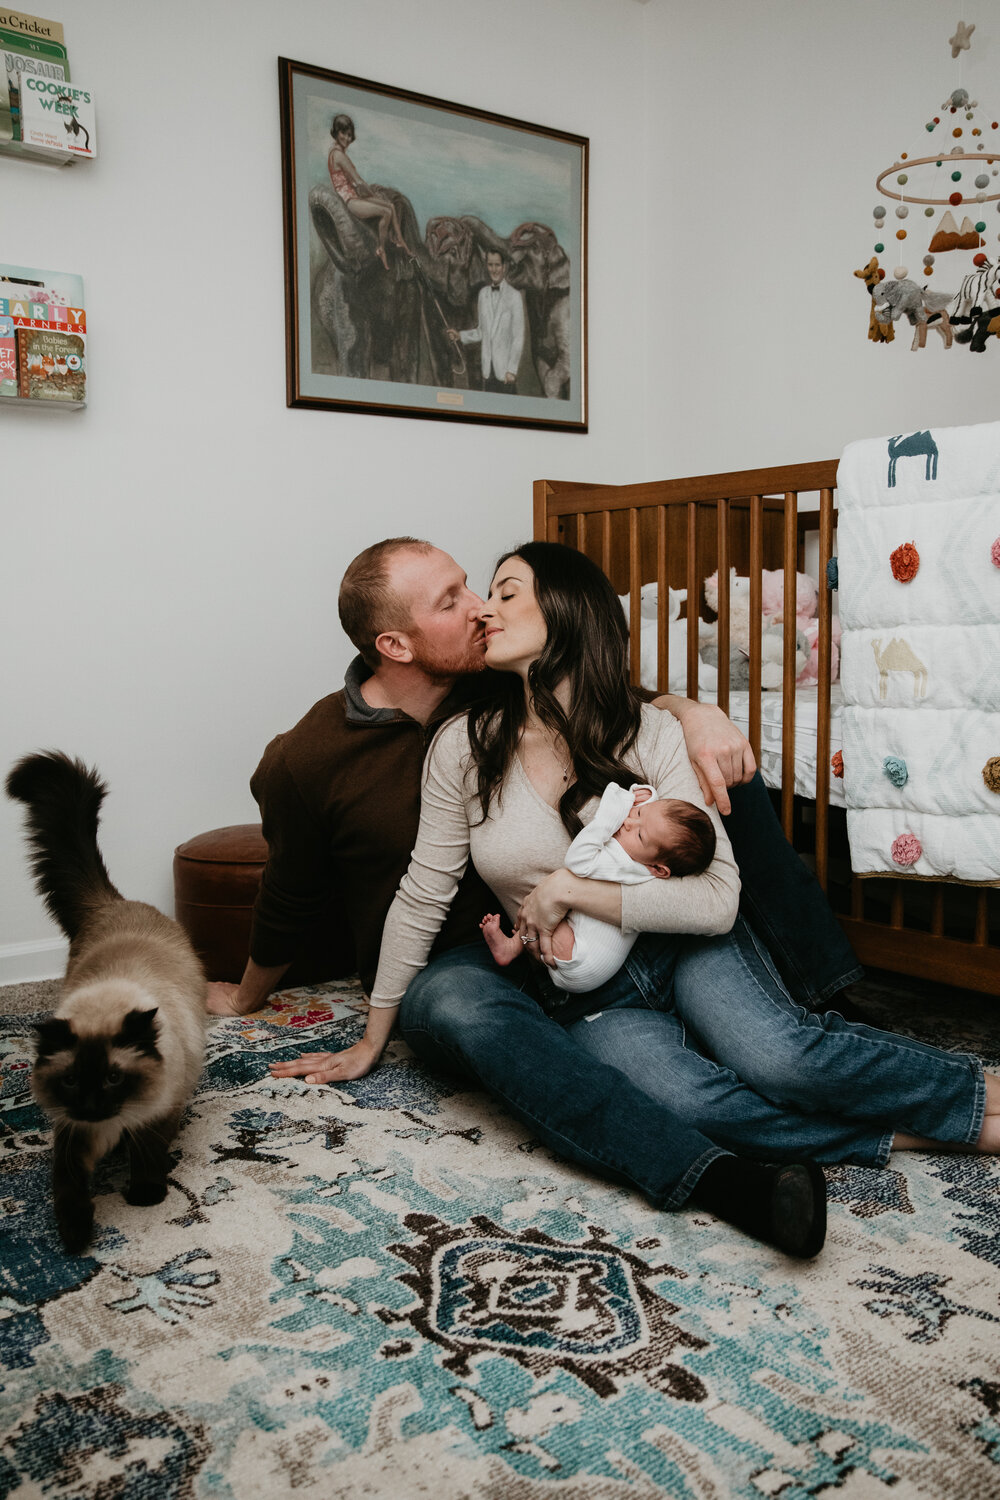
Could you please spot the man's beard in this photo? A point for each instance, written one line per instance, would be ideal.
(441, 664)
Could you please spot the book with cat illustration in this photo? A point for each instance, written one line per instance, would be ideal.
(57, 115)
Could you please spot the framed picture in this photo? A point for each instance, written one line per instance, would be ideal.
(435, 256)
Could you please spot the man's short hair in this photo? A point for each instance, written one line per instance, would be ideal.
(367, 604)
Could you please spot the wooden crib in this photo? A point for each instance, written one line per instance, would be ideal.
(674, 533)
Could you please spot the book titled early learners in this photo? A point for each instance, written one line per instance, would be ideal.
(57, 115)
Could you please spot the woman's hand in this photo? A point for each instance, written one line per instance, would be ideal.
(330, 1067)
(720, 754)
(541, 911)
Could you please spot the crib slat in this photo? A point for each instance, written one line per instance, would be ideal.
(857, 899)
(937, 911)
(896, 905)
(692, 593)
(663, 604)
(790, 555)
(756, 569)
(635, 591)
(722, 550)
(982, 921)
(606, 541)
(823, 691)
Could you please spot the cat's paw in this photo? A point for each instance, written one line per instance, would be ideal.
(142, 1194)
(76, 1230)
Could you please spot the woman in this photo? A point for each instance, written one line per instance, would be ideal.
(511, 784)
(363, 201)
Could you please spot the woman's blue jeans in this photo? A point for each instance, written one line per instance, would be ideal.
(693, 1049)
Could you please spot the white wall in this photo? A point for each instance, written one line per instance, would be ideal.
(768, 125)
(169, 557)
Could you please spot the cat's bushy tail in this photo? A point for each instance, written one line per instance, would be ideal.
(64, 799)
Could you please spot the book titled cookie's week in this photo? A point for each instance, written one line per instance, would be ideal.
(57, 115)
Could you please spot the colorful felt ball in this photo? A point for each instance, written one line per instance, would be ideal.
(991, 773)
(929, 125)
(982, 180)
(981, 226)
(954, 199)
(878, 211)
(904, 562)
(906, 849)
(995, 553)
(902, 211)
(896, 770)
(957, 131)
(879, 247)
(928, 213)
(980, 259)
(928, 260)
(928, 270)
(902, 178)
(901, 273)
(837, 764)
(956, 176)
(901, 234)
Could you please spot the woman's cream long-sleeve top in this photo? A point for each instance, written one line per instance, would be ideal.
(524, 839)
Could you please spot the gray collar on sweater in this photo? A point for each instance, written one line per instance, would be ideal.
(357, 710)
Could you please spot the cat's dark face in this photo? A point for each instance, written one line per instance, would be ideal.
(88, 1079)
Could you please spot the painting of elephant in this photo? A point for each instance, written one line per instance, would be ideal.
(402, 321)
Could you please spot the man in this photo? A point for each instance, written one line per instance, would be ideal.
(339, 797)
(500, 333)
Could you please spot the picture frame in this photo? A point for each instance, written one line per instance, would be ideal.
(435, 256)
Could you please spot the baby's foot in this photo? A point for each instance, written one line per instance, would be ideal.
(504, 949)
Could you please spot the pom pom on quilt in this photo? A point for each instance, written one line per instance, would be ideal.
(837, 763)
(895, 769)
(991, 773)
(904, 562)
(906, 849)
(995, 553)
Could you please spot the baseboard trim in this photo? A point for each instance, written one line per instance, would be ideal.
(22, 963)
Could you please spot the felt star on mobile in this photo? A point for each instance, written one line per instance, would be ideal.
(960, 41)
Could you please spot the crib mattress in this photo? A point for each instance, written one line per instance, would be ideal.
(805, 737)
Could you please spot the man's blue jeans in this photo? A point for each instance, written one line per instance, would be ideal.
(631, 1094)
(784, 904)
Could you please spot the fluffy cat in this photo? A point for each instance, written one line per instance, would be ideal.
(125, 1047)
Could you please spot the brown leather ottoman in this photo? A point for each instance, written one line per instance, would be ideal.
(216, 879)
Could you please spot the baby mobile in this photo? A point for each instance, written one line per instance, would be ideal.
(962, 178)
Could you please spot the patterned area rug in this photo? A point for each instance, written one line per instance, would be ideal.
(388, 1288)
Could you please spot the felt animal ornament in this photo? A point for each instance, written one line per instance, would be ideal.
(871, 275)
(893, 299)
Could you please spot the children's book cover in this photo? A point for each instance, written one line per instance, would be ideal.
(51, 366)
(24, 290)
(57, 115)
(32, 45)
(8, 357)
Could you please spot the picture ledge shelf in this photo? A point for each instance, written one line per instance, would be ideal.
(43, 156)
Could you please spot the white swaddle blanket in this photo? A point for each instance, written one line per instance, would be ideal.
(920, 655)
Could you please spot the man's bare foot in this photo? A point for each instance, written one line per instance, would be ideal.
(504, 949)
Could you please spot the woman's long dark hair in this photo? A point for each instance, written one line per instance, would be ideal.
(587, 648)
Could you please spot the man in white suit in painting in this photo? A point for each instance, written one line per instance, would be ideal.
(501, 328)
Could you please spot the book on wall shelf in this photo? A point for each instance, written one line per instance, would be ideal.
(43, 359)
(28, 45)
(57, 116)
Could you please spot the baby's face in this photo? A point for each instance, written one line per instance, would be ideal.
(647, 831)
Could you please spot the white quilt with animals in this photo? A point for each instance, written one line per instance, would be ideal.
(919, 580)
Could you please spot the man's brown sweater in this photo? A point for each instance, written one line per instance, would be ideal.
(339, 797)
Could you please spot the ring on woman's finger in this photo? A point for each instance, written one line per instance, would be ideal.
(524, 937)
